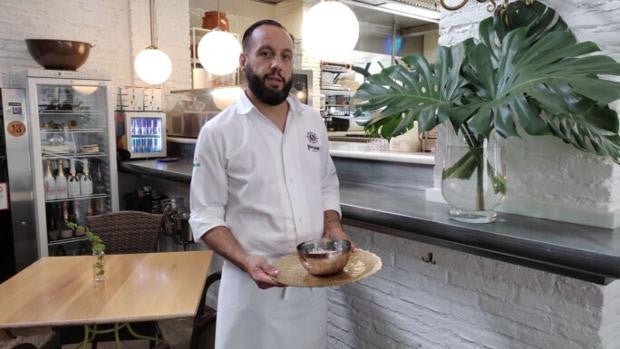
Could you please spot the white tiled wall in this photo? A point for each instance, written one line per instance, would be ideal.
(464, 301)
(118, 29)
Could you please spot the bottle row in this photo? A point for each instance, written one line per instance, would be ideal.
(74, 184)
(146, 145)
(145, 126)
(59, 214)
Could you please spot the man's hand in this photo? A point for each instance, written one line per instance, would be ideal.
(333, 228)
(261, 272)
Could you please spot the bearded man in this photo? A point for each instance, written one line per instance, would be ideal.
(263, 182)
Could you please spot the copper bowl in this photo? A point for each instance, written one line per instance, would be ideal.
(58, 54)
(324, 257)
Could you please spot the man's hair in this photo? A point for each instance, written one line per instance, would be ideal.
(247, 36)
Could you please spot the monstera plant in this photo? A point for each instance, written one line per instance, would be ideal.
(525, 73)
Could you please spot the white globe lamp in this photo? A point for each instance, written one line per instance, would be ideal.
(330, 31)
(153, 66)
(225, 96)
(218, 52)
(85, 90)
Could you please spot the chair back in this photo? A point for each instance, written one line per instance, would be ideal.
(127, 231)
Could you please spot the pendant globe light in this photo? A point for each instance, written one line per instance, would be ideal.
(218, 51)
(330, 31)
(152, 65)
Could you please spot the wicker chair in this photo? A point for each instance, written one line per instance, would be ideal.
(127, 231)
(122, 232)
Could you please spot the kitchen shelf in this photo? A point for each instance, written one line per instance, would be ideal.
(69, 113)
(74, 155)
(181, 140)
(76, 130)
(146, 136)
(80, 198)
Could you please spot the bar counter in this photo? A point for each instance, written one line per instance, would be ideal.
(583, 252)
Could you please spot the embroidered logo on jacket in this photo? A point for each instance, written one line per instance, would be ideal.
(313, 139)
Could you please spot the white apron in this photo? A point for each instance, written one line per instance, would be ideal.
(251, 318)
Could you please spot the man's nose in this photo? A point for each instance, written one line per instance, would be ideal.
(276, 62)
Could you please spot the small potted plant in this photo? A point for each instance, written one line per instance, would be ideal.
(524, 74)
(97, 248)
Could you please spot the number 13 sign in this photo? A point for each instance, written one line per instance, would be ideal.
(16, 128)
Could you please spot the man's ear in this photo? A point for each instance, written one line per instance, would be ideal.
(242, 60)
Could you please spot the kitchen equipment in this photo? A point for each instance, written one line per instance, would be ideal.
(87, 134)
(58, 54)
(18, 241)
(324, 256)
(215, 19)
(141, 133)
(189, 110)
(176, 221)
(183, 229)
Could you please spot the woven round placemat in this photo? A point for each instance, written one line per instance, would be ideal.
(361, 265)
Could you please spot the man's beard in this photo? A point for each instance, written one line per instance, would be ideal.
(264, 93)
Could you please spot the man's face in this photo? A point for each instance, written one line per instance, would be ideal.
(268, 64)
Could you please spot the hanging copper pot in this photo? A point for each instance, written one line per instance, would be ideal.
(215, 19)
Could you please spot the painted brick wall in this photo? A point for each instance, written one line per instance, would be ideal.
(547, 178)
(465, 301)
(119, 29)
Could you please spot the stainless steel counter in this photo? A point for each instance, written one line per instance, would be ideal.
(578, 251)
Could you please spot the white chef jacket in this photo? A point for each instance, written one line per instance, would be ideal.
(270, 189)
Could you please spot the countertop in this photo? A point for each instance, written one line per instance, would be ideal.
(377, 151)
(584, 252)
(371, 150)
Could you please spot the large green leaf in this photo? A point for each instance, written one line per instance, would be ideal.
(538, 18)
(526, 71)
(414, 90)
(556, 59)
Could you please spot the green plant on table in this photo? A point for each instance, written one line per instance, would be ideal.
(526, 73)
(97, 248)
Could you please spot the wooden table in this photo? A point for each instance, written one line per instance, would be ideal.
(56, 291)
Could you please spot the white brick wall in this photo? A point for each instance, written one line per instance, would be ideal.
(119, 29)
(466, 301)
(547, 178)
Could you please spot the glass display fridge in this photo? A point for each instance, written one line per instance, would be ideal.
(73, 156)
(141, 133)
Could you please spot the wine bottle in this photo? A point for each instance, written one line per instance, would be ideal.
(80, 230)
(49, 183)
(65, 231)
(89, 209)
(86, 181)
(98, 181)
(52, 221)
(101, 207)
(61, 181)
(73, 183)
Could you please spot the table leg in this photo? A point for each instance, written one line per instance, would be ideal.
(90, 332)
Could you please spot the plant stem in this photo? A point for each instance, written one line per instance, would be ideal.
(476, 142)
(480, 183)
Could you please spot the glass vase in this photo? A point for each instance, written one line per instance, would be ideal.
(473, 179)
(98, 271)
